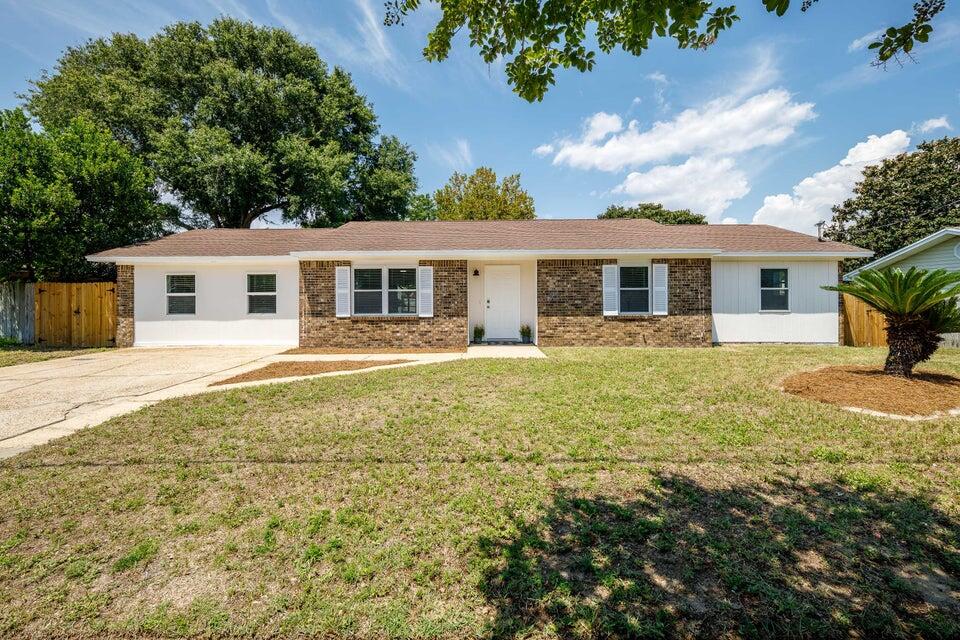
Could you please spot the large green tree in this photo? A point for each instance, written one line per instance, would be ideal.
(902, 199)
(65, 194)
(654, 211)
(536, 37)
(237, 121)
(480, 197)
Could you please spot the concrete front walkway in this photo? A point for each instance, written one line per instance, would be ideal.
(41, 401)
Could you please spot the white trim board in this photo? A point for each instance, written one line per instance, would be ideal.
(907, 251)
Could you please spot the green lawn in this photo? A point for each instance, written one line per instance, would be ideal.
(597, 493)
(12, 353)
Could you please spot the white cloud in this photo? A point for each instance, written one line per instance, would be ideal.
(814, 196)
(636, 101)
(864, 40)
(600, 125)
(543, 150)
(729, 220)
(933, 124)
(367, 47)
(722, 126)
(456, 157)
(702, 184)
(657, 77)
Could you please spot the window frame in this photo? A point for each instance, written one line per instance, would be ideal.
(385, 290)
(248, 293)
(167, 294)
(621, 288)
(761, 288)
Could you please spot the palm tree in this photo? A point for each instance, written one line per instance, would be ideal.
(918, 306)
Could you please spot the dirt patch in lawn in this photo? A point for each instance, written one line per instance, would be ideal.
(304, 368)
(304, 351)
(869, 388)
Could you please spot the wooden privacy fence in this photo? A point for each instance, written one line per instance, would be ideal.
(16, 311)
(75, 314)
(863, 326)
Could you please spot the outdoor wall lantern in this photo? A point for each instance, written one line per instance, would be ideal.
(476, 273)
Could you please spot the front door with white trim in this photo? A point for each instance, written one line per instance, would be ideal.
(501, 290)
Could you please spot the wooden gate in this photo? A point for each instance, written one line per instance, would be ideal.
(863, 326)
(75, 314)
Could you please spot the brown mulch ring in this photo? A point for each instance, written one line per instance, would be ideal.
(305, 351)
(925, 394)
(304, 368)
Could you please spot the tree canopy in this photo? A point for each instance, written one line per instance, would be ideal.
(236, 121)
(65, 194)
(902, 200)
(536, 37)
(654, 211)
(479, 197)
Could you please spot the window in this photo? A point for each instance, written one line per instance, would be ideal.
(261, 293)
(385, 290)
(181, 294)
(774, 292)
(634, 290)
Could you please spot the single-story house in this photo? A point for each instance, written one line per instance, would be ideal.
(940, 250)
(427, 284)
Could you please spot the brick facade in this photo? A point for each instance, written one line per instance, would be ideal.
(124, 305)
(319, 326)
(570, 307)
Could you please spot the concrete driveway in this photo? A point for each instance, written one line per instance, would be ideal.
(45, 400)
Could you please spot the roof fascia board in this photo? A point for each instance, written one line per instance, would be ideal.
(497, 254)
(134, 260)
(795, 254)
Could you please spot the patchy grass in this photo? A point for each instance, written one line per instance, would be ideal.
(673, 493)
(12, 353)
(303, 368)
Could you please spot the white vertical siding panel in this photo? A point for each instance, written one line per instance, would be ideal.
(736, 303)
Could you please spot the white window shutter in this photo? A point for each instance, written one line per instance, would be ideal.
(611, 290)
(343, 292)
(425, 292)
(661, 296)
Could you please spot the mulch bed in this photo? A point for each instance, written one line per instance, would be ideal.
(869, 388)
(304, 351)
(304, 368)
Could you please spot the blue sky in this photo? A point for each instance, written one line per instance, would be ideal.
(772, 124)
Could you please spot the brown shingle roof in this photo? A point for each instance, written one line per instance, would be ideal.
(499, 235)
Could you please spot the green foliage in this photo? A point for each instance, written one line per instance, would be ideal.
(237, 121)
(67, 193)
(479, 197)
(902, 200)
(537, 38)
(422, 207)
(654, 211)
(902, 294)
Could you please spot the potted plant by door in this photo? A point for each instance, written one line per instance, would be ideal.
(478, 334)
(525, 333)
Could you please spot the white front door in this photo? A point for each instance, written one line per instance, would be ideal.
(501, 290)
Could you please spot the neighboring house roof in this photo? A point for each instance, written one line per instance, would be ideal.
(492, 236)
(911, 249)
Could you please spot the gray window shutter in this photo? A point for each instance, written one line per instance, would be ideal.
(611, 290)
(425, 292)
(661, 297)
(343, 292)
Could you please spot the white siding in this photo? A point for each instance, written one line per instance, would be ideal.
(813, 315)
(221, 316)
(942, 255)
(528, 294)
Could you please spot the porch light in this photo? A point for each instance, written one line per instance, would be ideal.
(476, 273)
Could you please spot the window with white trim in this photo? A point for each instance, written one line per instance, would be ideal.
(385, 291)
(774, 289)
(181, 294)
(634, 290)
(261, 293)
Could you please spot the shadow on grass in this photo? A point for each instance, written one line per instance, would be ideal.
(778, 559)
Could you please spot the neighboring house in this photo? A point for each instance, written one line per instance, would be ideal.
(940, 250)
(427, 284)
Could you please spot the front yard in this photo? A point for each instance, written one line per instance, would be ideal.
(599, 492)
(12, 353)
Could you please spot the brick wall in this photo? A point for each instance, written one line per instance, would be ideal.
(124, 305)
(319, 326)
(570, 307)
